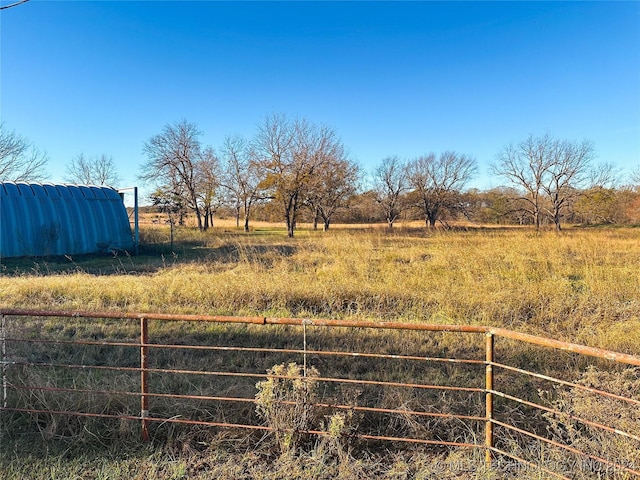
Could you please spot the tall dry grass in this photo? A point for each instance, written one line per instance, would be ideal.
(581, 285)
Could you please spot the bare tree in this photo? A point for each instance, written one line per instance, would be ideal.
(97, 170)
(240, 176)
(390, 183)
(566, 175)
(290, 154)
(635, 176)
(172, 163)
(20, 161)
(604, 175)
(525, 165)
(273, 146)
(438, 182)
(335, 184)
(208, 182)
(550, 171)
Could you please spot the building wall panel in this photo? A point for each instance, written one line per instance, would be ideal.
(51, 219)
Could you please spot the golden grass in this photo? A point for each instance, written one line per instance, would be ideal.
(581, 285)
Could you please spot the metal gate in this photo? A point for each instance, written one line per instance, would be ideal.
(394, 378)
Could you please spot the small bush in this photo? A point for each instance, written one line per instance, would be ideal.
(285, 401)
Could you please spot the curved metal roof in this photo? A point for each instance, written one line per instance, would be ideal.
(52, 219)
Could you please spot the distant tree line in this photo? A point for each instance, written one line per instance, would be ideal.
(293, 170)
(292, 164)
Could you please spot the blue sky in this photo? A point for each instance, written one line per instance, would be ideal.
(393, 78)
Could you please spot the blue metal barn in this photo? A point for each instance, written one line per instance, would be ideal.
(46, 219)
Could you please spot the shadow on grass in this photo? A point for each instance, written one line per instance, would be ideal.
(150, 259)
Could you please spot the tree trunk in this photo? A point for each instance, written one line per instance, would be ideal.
(199, 218)
(205, 225)
(556, 220)
(171, 233)
(291, 210)
(290, 223)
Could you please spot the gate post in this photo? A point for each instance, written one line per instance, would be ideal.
(3, 337)
(144, 377)
(488, 397)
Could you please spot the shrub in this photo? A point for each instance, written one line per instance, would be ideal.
(285, 401)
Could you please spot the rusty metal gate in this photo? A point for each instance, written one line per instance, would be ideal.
(397, 379)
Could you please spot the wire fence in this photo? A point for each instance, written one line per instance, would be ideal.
(500, 393)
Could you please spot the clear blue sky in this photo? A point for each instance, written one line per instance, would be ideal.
(400, 78)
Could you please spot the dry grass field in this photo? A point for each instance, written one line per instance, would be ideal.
(582, 285)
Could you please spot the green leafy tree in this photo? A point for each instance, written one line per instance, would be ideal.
(172, 204)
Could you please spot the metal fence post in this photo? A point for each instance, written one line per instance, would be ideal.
(304, 347)
(144, 377)
(3, 337)
(136, 227)
(489, 397)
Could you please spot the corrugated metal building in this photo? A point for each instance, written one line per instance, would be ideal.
(46, 219)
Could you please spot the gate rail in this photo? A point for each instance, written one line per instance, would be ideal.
(490, 391)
